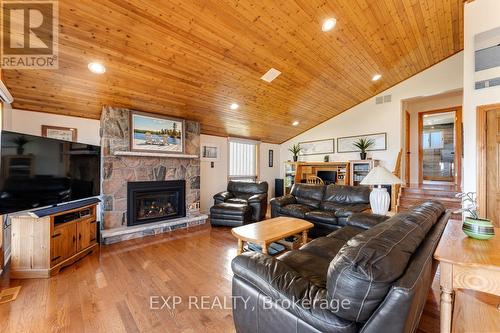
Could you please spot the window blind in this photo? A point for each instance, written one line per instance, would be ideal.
(243, 159)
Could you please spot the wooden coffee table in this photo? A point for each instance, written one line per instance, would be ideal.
(268, 231)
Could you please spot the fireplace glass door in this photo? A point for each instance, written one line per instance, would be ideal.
(156, 205)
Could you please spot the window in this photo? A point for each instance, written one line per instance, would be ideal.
(433, 140)
(243, 159)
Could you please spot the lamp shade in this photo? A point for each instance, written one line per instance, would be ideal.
(380, 176)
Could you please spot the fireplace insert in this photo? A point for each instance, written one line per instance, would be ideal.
(155, 201)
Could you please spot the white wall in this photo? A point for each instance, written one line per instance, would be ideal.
(30, 122)
(214, 180)
(420, 105)
(368, 117)
(480, 16)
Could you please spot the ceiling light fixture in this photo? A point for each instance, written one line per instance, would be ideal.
(97, 68)
(328, 24)
(376, 77)
(234, 106)
(295, 123)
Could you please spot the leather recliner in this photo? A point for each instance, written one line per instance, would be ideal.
(373, 275)
(327, 207)
(251, 194)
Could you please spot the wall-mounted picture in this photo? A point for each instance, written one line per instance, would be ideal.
(59, 133)
(271, 158)
(153, 133)
(318, 147)
(347, 144)
(210, 152)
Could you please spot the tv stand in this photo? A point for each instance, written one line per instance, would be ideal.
(41, 246)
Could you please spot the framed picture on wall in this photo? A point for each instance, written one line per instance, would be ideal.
(346, 144)
(318, 147)
(59, 133)
(154, 133)
(210, 152)
(271, 158)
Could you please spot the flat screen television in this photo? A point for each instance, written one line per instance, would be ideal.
(38, 172)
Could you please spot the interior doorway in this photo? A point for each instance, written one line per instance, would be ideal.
(440, 146)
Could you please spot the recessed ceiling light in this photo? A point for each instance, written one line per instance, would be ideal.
(328, 24)
(97, 68)
(234, 106)
(376, 77)
(295, 123)
(270, 75)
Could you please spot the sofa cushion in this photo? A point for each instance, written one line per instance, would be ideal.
(237, 201)
(321, 216)
(347, 194)
(245, 188)
(345, 233)
(296, 210)
(308, 194)
(309, 265)
(350, 209)
(324, 247)
(368, 264)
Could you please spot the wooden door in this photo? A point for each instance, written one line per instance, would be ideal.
(63, 243)
(86, 232)
(407, 148)
(493, 166)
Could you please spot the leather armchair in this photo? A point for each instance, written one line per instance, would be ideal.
(251, 194)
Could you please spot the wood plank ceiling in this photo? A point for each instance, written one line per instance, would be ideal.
(192, 59)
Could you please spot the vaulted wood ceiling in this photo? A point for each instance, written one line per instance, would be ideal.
(192, 59)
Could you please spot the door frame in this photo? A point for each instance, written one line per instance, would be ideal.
(458, 142)
(481, 160)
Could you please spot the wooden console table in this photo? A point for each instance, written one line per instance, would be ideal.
(466, 263)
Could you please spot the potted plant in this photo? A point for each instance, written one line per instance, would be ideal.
(363, 144)
(20, 141)
(474, 226)
(295, 150)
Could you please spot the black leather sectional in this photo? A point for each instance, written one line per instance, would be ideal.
(372, 275)
(327, 207)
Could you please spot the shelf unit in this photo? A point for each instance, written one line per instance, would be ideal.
(296, 172)
(42, 246)
(18, 166)
(359, 170)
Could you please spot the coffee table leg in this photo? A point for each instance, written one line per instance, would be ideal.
(304, 237)
(240, 246)
(264, 248)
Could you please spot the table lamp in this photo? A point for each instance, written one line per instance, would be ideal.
(379, 198)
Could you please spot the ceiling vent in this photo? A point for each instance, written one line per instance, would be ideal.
(271, 74)
(383, 99)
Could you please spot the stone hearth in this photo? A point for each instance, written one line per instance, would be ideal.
(120, 169)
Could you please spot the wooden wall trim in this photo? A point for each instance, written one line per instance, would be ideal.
(481, 154)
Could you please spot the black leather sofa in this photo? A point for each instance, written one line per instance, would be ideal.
(373, 275)
(243, 193)
(327, 207)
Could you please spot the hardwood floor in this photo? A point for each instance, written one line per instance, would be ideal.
(110, 291)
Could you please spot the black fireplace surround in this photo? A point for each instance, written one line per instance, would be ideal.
(155, 201)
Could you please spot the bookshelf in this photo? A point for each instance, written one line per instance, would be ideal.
(296, 172)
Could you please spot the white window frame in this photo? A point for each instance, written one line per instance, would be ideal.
(249, 178)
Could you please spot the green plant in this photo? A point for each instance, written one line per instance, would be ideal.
(363, 144)
(20, 141)
(469, 204)
(295, 149)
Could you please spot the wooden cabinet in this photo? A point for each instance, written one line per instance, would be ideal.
(296, 172)
(42, 246)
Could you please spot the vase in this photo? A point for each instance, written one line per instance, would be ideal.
(363, 156)
(478, 228)
(20, 150)
(295, 158)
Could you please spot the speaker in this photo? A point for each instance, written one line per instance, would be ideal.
(278, 187)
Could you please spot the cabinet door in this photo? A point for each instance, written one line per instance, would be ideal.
(86, 231)
(63, 243)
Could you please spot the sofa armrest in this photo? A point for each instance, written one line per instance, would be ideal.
(283, 201)
(366, 220)
(274, 278)
(257, 198)
(223, 196)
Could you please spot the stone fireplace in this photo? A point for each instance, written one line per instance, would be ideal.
(155, 201)
(121, 167)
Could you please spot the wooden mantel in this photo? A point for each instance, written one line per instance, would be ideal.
(146, 154)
